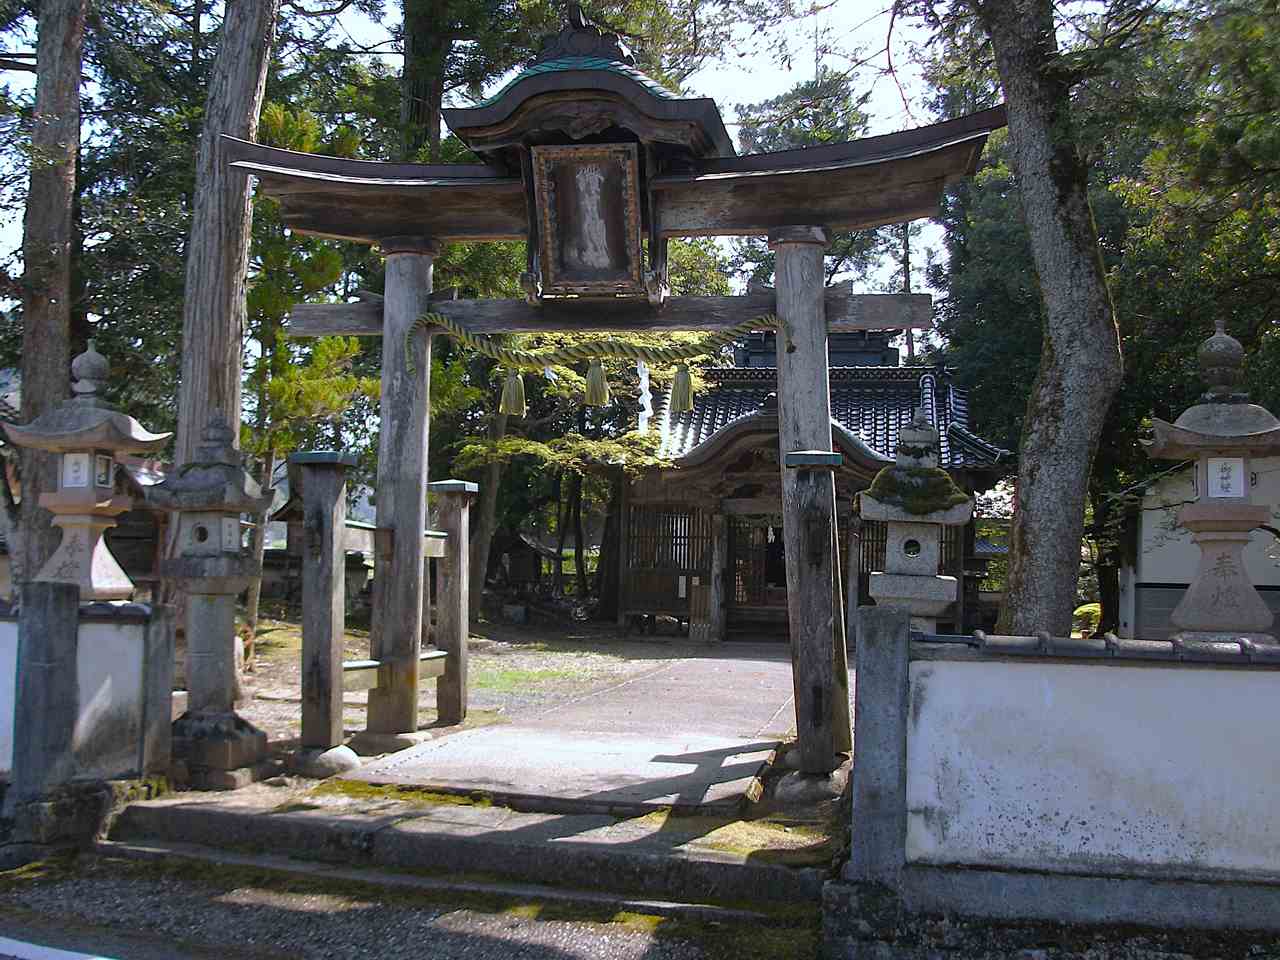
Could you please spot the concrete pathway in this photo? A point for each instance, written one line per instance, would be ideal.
(692, 734)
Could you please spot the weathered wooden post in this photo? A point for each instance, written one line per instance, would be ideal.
(719, 572)
(453, 624)
(396, 634)
(324, 511)
(808, 496)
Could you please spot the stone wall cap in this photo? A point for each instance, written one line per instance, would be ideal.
(453, 486)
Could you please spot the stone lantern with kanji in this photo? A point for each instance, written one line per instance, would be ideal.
(87, 433)
(1221, 434)
(209, 496)
(915, 498)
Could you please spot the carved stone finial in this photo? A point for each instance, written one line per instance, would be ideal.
(580, 37)
(917, 442)
(89, 371)
(1221, 358)
(217, 441)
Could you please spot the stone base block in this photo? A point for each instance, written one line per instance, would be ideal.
(220, 751)
(368, 744)
(211, 778)
(919, 596)
(319, 763)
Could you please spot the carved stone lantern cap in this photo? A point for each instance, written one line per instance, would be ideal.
(1224, 419)
(915, 489)
(215, 480)
(86, 421)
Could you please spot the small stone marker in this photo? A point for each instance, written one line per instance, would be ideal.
(916, 498)
(1221, 433)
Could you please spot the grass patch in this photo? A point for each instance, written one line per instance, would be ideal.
(507, 680)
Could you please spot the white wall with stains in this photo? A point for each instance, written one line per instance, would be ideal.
(1094, 768)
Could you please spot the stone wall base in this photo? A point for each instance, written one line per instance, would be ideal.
(869, 921)
(69, 817)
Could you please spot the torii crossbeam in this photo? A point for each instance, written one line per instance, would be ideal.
(596, 167)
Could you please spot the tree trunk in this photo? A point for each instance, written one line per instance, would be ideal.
(1080, 365)
(609, 565)
(562, 529)
(46, 255)
(253, 600)
(579, 547)
(213, 313)
(426, 52)
(486, 521)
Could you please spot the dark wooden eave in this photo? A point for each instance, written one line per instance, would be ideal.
(855, 185)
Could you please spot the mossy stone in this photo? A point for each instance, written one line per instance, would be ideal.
(917, 490)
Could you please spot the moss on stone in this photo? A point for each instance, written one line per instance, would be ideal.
(359, 790)
(917, 490)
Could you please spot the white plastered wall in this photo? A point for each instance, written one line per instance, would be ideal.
(1094, 768)
(8, 690)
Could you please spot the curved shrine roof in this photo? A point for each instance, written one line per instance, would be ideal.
(869, 404)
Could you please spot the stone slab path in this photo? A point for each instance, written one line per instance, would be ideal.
(693, 734)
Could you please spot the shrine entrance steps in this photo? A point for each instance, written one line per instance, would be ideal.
(656, 789)
(762, 865)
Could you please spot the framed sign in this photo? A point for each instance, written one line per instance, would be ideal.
(589, 219)
(75, 470)
(1225, 478)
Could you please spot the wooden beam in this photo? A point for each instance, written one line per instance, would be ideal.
(845, 311)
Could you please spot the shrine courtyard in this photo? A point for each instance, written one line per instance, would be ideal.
(579, 719)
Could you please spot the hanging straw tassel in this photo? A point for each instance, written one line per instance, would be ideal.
(597, 385)
(513, 403)
(682, 390)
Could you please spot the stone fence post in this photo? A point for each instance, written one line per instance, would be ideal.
(453, 622)
(324, 518)
(880, 763)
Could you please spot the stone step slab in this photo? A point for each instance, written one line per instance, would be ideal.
(592, 852)
(288, 867)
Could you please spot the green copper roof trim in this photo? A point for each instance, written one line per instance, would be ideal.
(562, 64)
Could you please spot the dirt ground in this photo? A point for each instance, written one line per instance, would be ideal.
(514, 670)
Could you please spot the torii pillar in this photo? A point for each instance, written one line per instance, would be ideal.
(396, 633)
(814, 607)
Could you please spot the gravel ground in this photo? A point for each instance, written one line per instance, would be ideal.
(247, 917)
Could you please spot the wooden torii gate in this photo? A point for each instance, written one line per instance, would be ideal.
(596, 166)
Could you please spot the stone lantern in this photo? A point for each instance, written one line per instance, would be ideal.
(916, 498)
(1221, 434)
(87, 433)
(221, 749)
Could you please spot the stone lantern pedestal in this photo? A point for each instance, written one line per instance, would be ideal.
(221, 749)
(915, 498)
(1221, 434)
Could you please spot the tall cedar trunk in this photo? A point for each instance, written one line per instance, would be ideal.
(253, 599)
(609, 565)
(579, 546)
(213, 312)
(426, 52)
(46, 255)
(1080, 365)
(486, 521)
